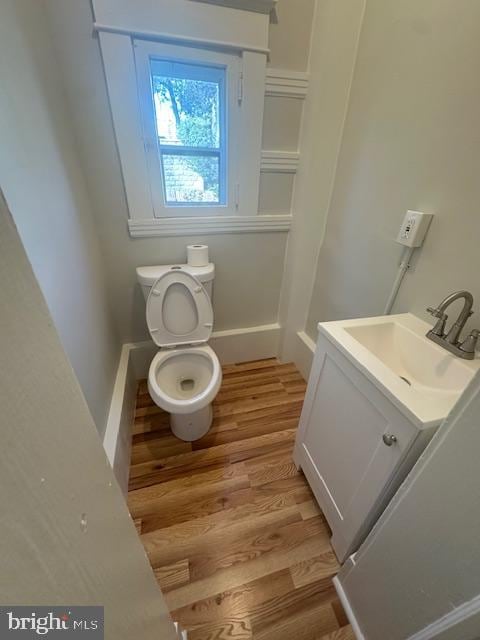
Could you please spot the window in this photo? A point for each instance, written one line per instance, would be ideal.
(189, 104)
(187, 114)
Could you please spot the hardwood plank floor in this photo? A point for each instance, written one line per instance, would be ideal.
(236, 540)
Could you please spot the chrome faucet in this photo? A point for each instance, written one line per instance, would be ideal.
(450, 340)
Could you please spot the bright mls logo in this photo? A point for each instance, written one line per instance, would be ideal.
(56, 622)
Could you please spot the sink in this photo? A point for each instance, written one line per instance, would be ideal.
(412, 357)
(377, 393)
(421, 378)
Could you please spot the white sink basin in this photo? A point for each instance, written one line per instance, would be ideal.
(420, 377)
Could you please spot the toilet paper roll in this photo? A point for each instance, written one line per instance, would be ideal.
(197, 255)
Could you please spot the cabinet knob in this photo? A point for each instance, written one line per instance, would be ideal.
(389, 439)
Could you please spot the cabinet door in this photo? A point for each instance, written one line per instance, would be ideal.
(341, 448)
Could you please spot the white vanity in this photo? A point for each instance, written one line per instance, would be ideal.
(377, 392)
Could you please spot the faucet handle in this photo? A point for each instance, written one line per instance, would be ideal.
(439, 328)
(436, 312)
(470, 343)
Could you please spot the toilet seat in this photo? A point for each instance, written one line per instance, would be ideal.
(179, 310)
(198, 365)
(185, 375)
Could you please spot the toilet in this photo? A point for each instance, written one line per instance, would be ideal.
(185, 374)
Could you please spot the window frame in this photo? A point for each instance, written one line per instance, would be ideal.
(207, 73)
(144, 52)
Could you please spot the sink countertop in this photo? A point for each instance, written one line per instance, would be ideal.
(420, 377)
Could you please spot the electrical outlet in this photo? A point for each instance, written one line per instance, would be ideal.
(414, 228)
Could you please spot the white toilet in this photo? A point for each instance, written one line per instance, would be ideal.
(185, 375)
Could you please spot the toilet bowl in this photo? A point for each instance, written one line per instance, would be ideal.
(184, 382)
(185, 375)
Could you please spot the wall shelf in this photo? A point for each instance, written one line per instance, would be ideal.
(279, 161)
(283, 83)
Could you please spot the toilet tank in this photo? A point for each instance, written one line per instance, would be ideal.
(147, 276)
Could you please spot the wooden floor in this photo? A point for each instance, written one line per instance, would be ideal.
(234, 536)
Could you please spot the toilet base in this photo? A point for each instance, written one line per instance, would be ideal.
(191, 426)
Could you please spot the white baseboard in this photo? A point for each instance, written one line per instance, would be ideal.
(117, 439)
(141, 355)
(242, 345)
(348, 609)
(233, 345)
(462, 619)
(304, 352)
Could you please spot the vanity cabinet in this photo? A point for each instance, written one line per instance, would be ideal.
(354, 446)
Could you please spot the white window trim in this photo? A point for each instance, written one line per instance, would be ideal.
(280, 161)
(282, 83)
(261, 6)
(182, 21)
(187, 41)
(120, 71)
(231, 63)
(197, 226)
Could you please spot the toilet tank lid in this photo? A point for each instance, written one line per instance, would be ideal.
(149, 275)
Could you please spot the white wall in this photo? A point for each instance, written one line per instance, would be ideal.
(411, 141)
(45, 189)
(335, 33)
(422, 562)
(289, 38)
(67, 536)
(249, 266)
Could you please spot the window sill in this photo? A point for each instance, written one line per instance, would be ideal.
(203, 225)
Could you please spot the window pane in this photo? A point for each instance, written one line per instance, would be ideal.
(187, 111)
(191, 179)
